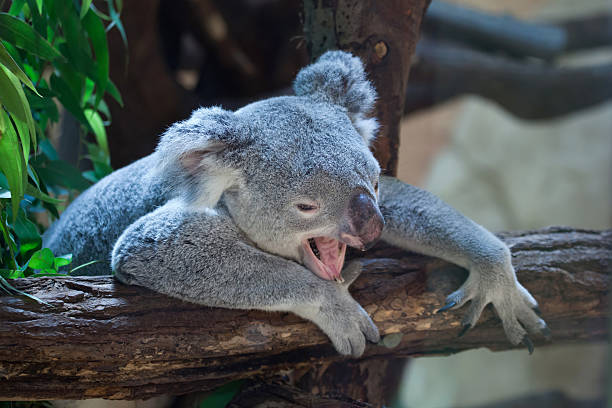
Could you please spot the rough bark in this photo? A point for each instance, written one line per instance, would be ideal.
(281, 395)
(375, 380)
(384, 35)
(103, 339)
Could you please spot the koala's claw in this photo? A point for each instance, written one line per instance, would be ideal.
(517, 309)
(350, 273)
(537, 311)
(446, 307)
(464, 330)
(546, 333)
(528, 343)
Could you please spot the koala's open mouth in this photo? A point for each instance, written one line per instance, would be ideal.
(324, 256)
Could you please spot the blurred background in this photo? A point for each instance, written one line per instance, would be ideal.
(508, 118)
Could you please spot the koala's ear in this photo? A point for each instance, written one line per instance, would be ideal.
(339, 78)
(191, 155)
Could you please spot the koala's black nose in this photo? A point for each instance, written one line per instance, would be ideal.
(365, 222)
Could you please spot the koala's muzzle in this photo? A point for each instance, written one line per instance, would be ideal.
(363, 223)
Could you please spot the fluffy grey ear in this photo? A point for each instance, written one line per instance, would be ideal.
(192, 155)
(339, 78)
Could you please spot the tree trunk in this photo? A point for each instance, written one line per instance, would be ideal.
(384, 35)
(103, 339)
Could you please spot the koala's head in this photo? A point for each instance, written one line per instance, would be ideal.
(295, 173)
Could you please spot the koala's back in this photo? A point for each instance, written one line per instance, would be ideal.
(91, 224)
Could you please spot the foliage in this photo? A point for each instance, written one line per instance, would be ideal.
(25, 404)
(221, 396)
(52, 52)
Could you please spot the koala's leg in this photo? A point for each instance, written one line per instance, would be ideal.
(417, 220)
(202, 257)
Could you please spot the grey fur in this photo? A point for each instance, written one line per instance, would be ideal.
(211, 217)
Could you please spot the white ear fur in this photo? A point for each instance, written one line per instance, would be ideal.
(366, 127)
(190, 155)
(213, 184)
(208, 176)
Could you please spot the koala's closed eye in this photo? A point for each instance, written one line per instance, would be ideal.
(307, 208)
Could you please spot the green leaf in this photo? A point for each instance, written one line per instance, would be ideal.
(74, 77)
(23, 36)
(48, 150)
(11, 161)
(84, 8)
(11, 94)
(114, 92)
(100, 14)
(29, 237)
(32, 73)
(16, 7)
(221, 396)
(77, 48)
(68, 99)
(9, 62)
(95, 121)
(38, 21)
(24, 136)
(97, 34)
(62, 261)
(86, 264)
(33, 176)
(88, 91)
(61, 173)
(15, 101)
(42, 259)
(7, 235)
(36, 193)
(45, 105)
(114, 16)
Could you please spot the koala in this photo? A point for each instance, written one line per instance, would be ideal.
(254, 209)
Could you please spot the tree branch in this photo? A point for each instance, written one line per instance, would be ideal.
(104, 339)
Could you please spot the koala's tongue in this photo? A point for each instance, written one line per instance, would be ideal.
(331, 254)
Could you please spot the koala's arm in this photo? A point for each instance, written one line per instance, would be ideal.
(201, 256)
(417, 220)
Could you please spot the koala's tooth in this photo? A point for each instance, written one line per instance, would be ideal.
(339, 279)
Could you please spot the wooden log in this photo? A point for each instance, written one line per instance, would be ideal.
(590, 32)
(101, 339)
(506, 34)
(528, 90)
(384, 35)
(492, 32)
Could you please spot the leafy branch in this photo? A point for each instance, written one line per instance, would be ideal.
(62, 47)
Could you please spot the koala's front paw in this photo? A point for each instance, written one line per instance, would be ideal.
(343, 320)
(347, 325)
(515, 306)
